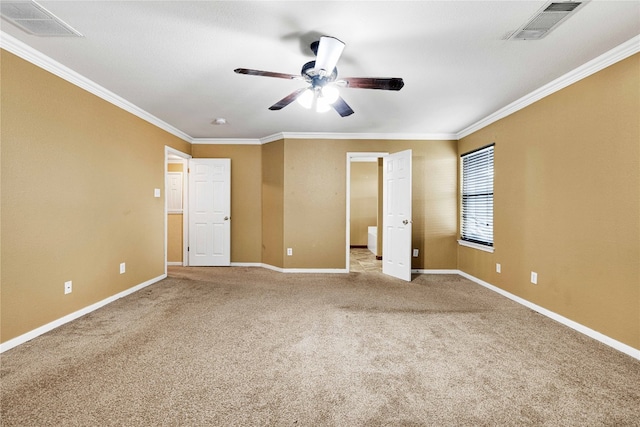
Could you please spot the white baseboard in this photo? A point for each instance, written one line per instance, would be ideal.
(624, 348)
(289, 270)
(247, 264)
(69, 317)
(175, 263)
(435, 271)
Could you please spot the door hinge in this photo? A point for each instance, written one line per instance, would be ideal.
(187, 248)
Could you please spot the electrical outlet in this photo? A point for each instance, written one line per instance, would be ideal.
(68, 287)
(415, 253)
(498, 268)
(123, 267)
(289, 251)
(534, 277)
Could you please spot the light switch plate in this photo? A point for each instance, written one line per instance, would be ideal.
(123, 267)
(156, 192)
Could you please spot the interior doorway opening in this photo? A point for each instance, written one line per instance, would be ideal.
(364, 212)
(176, 216)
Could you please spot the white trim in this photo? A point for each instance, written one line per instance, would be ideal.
(180, 263)
(271, 267)
(380, 136)
(185, 207)
(227, 141)
(601, 62)
(316, 270)
(624, 348)
(476, 246)
(247, 264)
(73, 316)
(326, 135)
(37, 58)
(290, 270)
(435, 271)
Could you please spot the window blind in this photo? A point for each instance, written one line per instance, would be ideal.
(477, 196)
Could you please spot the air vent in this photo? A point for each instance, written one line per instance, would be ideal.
(35, 19)
(546, 20)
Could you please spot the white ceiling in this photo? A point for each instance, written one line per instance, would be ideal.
(175, 59)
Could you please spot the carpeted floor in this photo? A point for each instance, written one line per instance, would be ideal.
(249, 346)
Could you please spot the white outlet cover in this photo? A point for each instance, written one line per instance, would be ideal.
(415, 253)
(498, 268)
(289, 251)
(156, 192)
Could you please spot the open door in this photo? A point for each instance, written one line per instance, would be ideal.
(396, 212)
(210, 212)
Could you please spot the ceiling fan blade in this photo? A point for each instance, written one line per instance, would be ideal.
(287, 99)
(342, 107)
(267, 74)
(393, 83)
(329, 51)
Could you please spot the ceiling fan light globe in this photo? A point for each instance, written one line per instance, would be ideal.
(330, 94)
(306, 99)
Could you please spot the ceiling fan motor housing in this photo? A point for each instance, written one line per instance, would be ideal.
(315, 79)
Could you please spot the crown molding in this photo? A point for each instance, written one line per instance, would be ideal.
(15, 46)
(35, 57)
(226, 141)
(328, 136)
(379, 136)
(603, 61)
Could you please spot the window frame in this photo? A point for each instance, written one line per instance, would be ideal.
(474, 241)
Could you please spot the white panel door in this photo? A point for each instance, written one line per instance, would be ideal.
(396, 212)
(210, 212)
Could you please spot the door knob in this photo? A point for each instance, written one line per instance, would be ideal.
(226, 218)
(406, 221)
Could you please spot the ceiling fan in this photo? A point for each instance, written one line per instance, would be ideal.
(322, 94)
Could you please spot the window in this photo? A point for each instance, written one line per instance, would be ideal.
(477, 197)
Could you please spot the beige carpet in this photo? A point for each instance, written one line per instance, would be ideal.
(248, 346)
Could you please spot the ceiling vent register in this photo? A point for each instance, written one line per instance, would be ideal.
(546, 20)
(35, 19)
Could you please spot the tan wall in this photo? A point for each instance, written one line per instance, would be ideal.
(315, 200)
(364, 201)
(246, 199)
(78, 176)
(175, 235)
(567, 202)
(273, 204)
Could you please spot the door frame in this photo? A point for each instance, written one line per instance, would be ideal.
(350, 156)
(184, 159)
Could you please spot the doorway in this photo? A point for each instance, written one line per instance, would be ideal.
(363, 242)
(176, 207)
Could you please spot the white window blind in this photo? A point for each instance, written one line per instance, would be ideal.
(477, 196)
